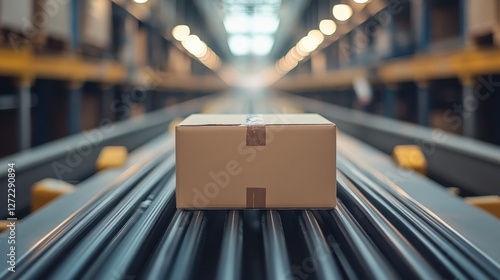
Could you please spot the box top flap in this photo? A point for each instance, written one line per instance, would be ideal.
(244, 119)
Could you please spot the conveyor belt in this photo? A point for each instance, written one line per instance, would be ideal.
(132, 231)
(373, 233)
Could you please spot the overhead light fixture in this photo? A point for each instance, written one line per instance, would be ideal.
(264, 24)
(195, 46)
(239, 45)
(256, 24)
(181, 32)
(306, 45)
(140, 1)
(360, 1)
(316, 37)
(342, 12)
(296, 54)
(261, 44)
(237, 23)
(327, 26)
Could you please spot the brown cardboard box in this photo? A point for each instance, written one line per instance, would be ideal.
(256, 161)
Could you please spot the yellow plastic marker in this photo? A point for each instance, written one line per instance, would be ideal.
(488, 203)
(4, 225)
(47, 190)
(111, 157)
(410, 157)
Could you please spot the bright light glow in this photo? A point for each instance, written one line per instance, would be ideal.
(140, 1)
(342, 12)
(361, 1)
(262, 44)
(195, 46)
(310, 42)
(290, 59)
(286, 65)
(300, 52)
(181, 32)
(258, 24)
(264, 24)
(327, 26)
(200, 50)
(298, 56)
(306, 45)
(211, 60)
(237, 23)
(316, 37)
(239, 45)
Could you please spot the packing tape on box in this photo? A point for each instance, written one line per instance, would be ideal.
(256, 136)
(256, 130)
(256, 198)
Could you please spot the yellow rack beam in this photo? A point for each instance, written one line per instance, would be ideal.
(464, 63)
(333, 79)
(26, 64)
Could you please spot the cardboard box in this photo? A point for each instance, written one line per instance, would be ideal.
(256, 161)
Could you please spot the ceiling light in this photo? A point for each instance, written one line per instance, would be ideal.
(327, 26)
(316, 37)
(237, 23)
(140, 1)
(239, 45)
(306, 45)
(200, 50)
(361, 1)
(300, 52)
(262, 44)
(258, 23)
(342, 12)
(194, 45)
(298, 56)
(180, 32)
(264, 24)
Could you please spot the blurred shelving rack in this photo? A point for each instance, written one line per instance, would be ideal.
(93, 66)
(422, 59)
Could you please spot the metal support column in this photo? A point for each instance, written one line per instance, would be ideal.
(463, 21)
(496, 122)
(41, 120)
(107, 97)
(75, 100)
(150, 102)
(75, 25)
(421, 21)
(393, 52)
(389, 101)
(75, 93)
(470, 107)
(424, 103)
(24, 112)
